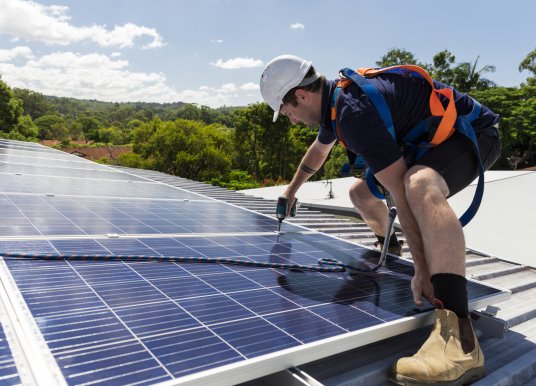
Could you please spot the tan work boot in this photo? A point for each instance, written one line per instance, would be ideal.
(445, 358)
(392, 249)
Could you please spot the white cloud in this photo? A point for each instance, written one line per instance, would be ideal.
(11, 54)
(237, 63)
(106, 78)
(250, 86)
(297, 26)
(124, 36)
(91, 76)
(50, 24)
(227, 88)
(218, 41)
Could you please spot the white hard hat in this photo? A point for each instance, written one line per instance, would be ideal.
(282, 74)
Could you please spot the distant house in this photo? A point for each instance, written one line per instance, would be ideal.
(77, 153)
(95, 153)
(91, 153)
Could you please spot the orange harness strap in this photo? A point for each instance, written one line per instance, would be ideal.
(446, 126)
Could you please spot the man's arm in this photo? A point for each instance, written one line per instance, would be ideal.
(310, 163)
(392, 178)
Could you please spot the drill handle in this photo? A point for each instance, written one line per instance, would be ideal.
(282, 209)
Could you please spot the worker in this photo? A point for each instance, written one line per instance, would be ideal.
(419, 187)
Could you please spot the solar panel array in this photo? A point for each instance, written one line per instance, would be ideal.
(119, 322)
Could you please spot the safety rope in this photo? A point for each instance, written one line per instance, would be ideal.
(324, 264)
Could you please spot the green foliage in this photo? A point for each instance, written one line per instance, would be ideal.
(131, 160)
(27, 128)
(442, 67)
(34, 104)
(463, 76)
(467, 78)
(185, 148)
(397, 56)
(529, 64)
(10, 108)
(237, 180)
(333, 166)
(51, 127)
(112, 135)
(103, 160)
(89, 126)
(266, 149)
(518, 123)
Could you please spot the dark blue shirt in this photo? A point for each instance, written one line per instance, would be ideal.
(407, 96)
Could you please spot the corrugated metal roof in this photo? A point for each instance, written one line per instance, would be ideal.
(509, 361)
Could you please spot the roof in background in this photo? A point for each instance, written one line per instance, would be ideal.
(504, 225)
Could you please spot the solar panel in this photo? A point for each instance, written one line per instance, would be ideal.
(147, 322)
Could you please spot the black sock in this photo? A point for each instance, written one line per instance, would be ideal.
(393, 240)
(451, 290)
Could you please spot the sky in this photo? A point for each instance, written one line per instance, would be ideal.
(212, 52)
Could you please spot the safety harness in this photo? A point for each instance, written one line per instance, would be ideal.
(448, 119)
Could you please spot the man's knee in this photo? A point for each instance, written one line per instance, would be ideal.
(360, 193)
(423, 184)
(355, 191)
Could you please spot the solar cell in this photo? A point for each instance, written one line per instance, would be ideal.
(66, 171)
(146, 322)
(8, 371)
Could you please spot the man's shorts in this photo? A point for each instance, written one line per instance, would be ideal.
(456, 160)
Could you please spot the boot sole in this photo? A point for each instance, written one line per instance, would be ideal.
(469, 377)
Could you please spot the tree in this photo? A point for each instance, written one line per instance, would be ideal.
(189, 111)
(112, 135)
(90, 127)
(529, 64)
(467, 78)
(395, 57)
(130, 160)
(442, 67)
(27, 128)
(264, 148)
(185, 148)
(34, 103)
(52, 127)
(337, 158)
(515, 105)
(10, 108)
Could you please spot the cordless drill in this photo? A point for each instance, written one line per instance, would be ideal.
(282, 209)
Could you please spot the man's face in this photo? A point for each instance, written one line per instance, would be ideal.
(304, 112)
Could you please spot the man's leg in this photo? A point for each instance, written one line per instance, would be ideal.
(451, 355)
(442, 236)
(375, 213)
(372, 210)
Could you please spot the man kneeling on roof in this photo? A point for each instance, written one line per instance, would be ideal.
(423, 142)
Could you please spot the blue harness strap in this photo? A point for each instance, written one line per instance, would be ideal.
(410, 140)
(463, 125)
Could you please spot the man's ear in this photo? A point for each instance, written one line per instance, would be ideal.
(301, 95)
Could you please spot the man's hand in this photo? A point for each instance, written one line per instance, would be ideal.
(421, 286)
(290, 199)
